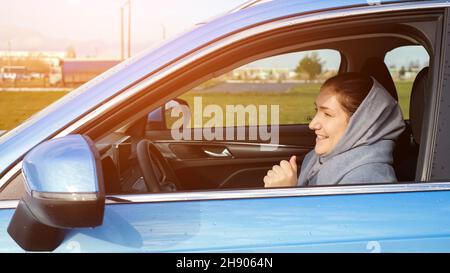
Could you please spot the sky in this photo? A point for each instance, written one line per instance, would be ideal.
(92, 27)
(331, 59)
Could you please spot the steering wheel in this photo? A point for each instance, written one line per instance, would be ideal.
(151, 162)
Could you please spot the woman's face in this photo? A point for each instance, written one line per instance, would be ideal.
(330, 121)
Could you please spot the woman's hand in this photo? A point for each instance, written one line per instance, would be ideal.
(283, 175)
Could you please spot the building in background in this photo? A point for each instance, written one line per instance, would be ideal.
(28, 68)
(49, 69)
(78, 71)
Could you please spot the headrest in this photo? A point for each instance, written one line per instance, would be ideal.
(417, 103)
(376, 68)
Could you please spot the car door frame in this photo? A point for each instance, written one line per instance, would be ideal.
(429, 119)
(436, 125)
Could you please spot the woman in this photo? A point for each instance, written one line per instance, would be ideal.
(356, 124)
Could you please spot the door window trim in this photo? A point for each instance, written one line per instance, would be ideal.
(265, 193)
(278, 192)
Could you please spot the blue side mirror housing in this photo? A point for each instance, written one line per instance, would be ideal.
(64, 189)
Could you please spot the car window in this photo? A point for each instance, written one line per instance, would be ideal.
(289, 81)
(404, 64)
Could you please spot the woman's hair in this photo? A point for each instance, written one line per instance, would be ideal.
(351, 89)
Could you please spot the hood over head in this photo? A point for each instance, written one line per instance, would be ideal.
(378, 120)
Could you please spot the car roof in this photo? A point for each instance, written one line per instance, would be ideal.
(249, 4)
(81, 101)
(253, 3)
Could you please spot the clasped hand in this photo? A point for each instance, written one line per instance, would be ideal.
(283, 175)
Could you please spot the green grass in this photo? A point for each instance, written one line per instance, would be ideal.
(16, 107)
(404, 94)
(296, 106)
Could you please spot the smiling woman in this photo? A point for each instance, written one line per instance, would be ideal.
(337, 102)
(356, 123)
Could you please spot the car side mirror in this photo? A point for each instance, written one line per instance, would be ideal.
(159, 118)
(64, 190)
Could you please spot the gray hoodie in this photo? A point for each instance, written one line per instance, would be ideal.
(364, 153)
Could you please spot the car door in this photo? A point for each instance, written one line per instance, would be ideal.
(332, 220)
(408, 219)
(374, 218)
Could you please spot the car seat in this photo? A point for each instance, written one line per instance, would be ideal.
(376, 68)
(407, 145)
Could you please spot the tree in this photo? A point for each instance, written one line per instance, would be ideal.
(413, 66)
(311, 64)
(401, 72)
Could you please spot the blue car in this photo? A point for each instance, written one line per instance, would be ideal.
(101, 170)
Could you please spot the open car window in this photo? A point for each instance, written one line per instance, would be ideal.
(190, 133)
(226, 132)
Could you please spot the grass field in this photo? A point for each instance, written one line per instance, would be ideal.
(296, 105)
(15, 107)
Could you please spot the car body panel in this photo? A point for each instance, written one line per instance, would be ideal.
(391, 222)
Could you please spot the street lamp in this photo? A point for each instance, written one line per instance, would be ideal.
(127, 4)
(163, 31)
